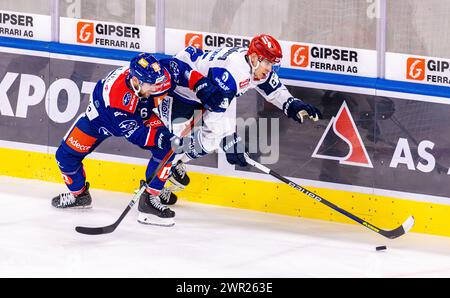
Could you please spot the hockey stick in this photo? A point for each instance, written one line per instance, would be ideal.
(111, 228)
(391, 234)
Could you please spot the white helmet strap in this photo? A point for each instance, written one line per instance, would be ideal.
(253, 68)
(136, 91)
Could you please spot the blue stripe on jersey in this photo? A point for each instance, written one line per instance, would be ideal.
(223, 79)
(193, 52)
(271, 84)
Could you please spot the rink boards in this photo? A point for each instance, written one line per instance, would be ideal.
(383, 155)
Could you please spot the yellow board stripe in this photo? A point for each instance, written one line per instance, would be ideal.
(384, 212)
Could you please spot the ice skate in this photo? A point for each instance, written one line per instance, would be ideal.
(70, 201)
(179, 177)
(153, 212)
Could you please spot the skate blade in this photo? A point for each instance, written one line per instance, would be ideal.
(156, 221)
(175, 186)
(75, 208)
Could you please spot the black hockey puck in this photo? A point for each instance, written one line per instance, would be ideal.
(383, 247)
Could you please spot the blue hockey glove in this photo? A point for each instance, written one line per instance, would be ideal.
(165, 140)
(211, 96)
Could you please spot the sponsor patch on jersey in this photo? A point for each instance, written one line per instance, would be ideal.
(165, 109)
(225, 76)
(128, 125)
(154, 121)
(221, 85)
(117, 114)
(126, 99)
(80, 141)
(174, 68)
(104, 131)
(142, 62)
(244, 83)
(160, 79)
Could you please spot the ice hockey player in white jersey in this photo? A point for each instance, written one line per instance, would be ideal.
(214, 80)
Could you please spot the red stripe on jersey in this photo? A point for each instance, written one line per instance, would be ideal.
(168, 83)
(121, 97)
(194, 78)
(153, 123)
(150, 142)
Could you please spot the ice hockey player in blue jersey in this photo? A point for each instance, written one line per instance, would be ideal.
(115, 110)
(215, 79)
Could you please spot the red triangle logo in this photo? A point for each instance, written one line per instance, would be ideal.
(344, 127)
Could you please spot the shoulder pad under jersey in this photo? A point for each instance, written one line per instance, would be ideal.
(116, 93)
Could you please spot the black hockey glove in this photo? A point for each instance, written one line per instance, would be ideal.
(234, 149)
(296, 109)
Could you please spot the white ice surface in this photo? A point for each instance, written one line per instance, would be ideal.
(37, 240)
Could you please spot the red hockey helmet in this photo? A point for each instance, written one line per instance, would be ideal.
(266, 47)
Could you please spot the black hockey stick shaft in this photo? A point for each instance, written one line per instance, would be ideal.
(112, 227)
(391, 234)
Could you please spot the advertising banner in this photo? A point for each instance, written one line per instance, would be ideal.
(418, 69)
(305, 56)
(330, 59)
(177, 40)
(107, 35)
(25, 25)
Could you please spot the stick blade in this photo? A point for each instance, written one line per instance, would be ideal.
(95, 231)
(401, 230)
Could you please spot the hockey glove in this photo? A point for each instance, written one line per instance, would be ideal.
(210, 96)
(296, 109)
(165, 140)
(234, 150)
(191, 146)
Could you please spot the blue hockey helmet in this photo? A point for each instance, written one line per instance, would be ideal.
(147, 69)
